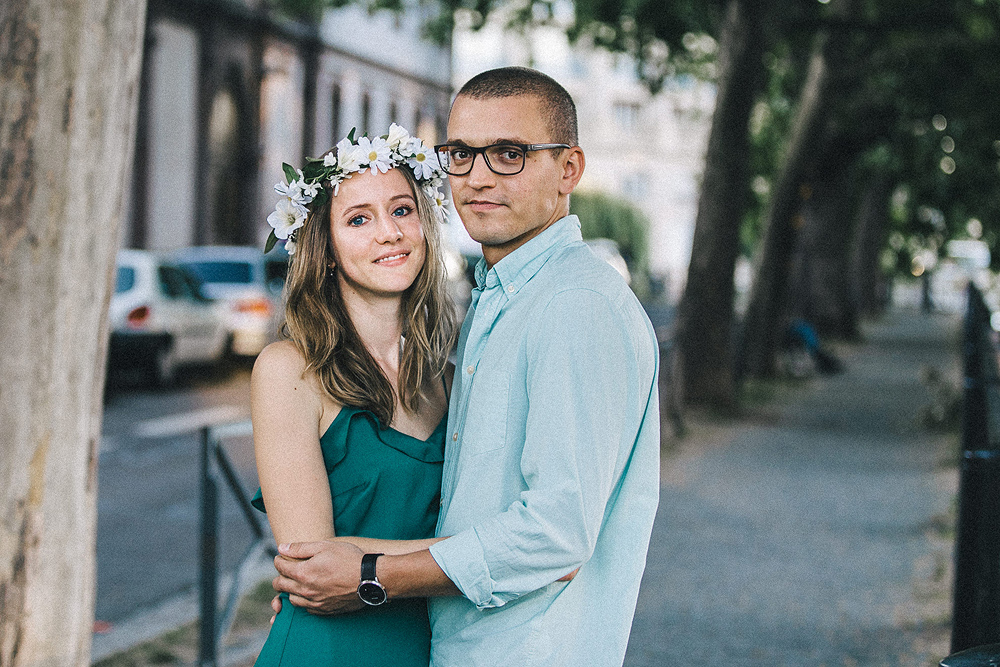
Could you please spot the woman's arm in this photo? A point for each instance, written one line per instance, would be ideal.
(286, 409)
(371, 545)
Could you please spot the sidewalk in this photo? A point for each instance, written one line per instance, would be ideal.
(814, 532)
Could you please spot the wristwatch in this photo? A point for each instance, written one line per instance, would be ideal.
(370, 590)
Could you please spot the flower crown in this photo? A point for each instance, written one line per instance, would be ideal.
(304, 188)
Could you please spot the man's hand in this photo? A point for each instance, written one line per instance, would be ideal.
(321, 577)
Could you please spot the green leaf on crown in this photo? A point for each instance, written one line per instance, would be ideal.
(271, 240)
(290, 173)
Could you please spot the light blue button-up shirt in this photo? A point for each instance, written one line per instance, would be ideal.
(551, 463)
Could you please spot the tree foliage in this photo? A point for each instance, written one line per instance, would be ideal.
(605, 216)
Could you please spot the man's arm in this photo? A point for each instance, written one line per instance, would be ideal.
(323, 577)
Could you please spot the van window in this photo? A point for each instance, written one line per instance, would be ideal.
(221, 272)
(125, 280)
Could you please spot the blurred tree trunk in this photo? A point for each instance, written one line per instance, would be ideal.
(69, 76)
(706, 310)
(821, 292)
(868, 285)
(762, 325)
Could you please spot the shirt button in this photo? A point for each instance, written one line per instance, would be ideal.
(510, 289)
(470, 370)
(454, 437)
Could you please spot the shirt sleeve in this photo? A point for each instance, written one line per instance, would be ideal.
(590, 372)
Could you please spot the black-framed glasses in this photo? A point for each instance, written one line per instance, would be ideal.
(502, 159)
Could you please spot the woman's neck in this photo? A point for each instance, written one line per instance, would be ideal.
(378, 323)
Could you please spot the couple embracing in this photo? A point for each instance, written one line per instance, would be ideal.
(494, 512)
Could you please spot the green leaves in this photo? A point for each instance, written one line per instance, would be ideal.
(290, 173)
(271, 240)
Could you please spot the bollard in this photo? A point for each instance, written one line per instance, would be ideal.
(976, 601)
(981, 656)
(208, 566)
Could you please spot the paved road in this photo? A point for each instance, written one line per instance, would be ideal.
(148, 495)
(793, 540)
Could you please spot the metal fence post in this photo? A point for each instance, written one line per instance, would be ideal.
(976, 604)
(208, 566)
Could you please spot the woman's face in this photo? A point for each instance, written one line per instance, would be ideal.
(378, 242)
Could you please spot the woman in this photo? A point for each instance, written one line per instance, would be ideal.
(349, 410)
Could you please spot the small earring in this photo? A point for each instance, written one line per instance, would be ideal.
(332, 270)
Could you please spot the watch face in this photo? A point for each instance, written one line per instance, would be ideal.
(371, 592)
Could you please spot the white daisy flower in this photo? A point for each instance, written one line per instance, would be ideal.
(376, 153)
(349, 157)
(424, 163)
(398, 137)
(310, 189)
(410, 148)
(287, 217)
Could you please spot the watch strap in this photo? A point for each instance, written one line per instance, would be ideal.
(368, 567)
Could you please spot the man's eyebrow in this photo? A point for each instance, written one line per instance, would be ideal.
(495, 142)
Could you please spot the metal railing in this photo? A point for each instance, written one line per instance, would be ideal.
(217, 469)
(976, 602)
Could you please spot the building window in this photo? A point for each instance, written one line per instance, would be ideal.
(335, 111)
(366, 112)
(627, 115)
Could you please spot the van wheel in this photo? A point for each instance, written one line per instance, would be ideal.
(163, 368)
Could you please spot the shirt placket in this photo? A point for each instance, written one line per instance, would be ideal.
(487, 309)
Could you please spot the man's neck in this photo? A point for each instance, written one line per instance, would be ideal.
(494, 253)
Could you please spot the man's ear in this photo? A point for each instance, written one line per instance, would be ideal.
(573, 163)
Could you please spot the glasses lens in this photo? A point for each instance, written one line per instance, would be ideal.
(455, 160)
(505, 159)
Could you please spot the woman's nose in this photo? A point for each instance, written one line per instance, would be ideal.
(388, 230)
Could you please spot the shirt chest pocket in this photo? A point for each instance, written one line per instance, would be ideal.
(486, 425)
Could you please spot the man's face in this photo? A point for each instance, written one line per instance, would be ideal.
(504, 212)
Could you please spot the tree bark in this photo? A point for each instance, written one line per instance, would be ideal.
(762, 325)
(69, 72)
(821, 265)
(704, 329)
(869, 290)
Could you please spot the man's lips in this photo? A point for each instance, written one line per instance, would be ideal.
(483, 204)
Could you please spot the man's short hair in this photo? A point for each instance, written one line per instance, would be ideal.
(557, 106)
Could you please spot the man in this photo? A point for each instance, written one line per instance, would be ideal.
(552, 457)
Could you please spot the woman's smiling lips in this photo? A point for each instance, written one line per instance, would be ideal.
(395, 259)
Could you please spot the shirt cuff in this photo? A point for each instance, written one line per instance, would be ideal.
(462, 559)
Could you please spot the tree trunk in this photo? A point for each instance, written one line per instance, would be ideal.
(706, 311)
(69, 72)
(762, 325)
(821, 267)
(869, 290)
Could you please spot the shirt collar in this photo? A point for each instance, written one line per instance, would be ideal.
(514, 270)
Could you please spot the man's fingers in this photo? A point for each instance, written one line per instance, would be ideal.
(276, 604)
(284, 584)
(286, 567)
(301, 550)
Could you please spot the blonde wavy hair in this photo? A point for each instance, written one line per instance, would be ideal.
(318, 324)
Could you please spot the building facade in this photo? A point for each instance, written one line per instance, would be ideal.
(230, 90)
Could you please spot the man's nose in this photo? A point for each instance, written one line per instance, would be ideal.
(481, 176)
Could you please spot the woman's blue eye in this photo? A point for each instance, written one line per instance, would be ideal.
(356, 221)
(401, 211)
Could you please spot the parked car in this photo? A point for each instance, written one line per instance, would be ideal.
(249, 283)
(160, 319)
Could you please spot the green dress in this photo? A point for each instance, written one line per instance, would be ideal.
(385, 484)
